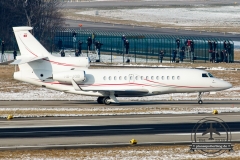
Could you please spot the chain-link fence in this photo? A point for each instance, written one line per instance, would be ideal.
(141, 48)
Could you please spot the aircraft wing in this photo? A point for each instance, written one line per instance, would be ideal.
(23, 60)
(116, 91)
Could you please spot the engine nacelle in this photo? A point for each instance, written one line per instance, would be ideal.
(66, 77)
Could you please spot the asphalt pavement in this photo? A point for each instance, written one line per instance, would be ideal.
(92, 131)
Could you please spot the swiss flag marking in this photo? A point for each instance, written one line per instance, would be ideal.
(25, 35)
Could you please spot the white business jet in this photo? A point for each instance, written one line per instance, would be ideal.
(72, 75)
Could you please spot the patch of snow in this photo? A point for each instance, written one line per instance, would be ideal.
(200, 16)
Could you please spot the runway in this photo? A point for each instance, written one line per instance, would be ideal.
(93, 131)
(124, 104)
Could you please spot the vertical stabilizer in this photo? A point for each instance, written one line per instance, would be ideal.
(28, 44)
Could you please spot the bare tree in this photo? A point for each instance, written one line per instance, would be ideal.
(43, 15)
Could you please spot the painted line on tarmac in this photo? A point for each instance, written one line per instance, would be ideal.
(101, 130)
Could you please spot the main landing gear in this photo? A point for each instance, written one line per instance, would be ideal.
(200, 98)
(104, 100)
(107, 100)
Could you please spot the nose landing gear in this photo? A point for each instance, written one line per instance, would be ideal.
(200, 98)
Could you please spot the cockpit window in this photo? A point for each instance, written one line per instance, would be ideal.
(210, 75)
(204, 75)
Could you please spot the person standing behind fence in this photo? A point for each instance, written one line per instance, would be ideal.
(174, 54)
(14, 54)
(161, 54)
(127, 50)
(228, 47)
(189, 45)
(225, 45)
(214, 46)
(127, 46)
(98, 46)
(192, 46)
(89, 43)
(210, 46)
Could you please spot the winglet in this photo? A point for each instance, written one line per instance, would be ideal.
(75, 86)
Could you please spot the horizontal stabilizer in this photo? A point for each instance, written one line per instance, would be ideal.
(27, 59)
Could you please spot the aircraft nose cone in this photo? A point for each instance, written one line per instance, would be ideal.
(227, 85)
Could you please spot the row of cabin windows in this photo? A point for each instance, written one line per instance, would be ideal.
(141, 78)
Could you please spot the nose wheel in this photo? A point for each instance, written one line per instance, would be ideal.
(200, 98)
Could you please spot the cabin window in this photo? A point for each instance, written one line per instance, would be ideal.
(146, 77)
(204, 75)
(136, 77)
(162, 77)
(152, 78)
(104, 78)
(109, 77)
(173, 78)
(142, 78)
(157, 78)
(167, 77)
(178, 77)
(131, 77)
(120, 77)
(210, 75)
(125, 77)
(115, 77)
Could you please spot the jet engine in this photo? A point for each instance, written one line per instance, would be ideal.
(66, 77)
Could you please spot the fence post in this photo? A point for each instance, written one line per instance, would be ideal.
(111, 50)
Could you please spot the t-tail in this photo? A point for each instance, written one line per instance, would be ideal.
(38, 62)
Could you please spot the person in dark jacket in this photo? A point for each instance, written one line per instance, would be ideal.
(89, 43)
(210, 46)
(181, 55)
(127, 46)
(192, 46)
(174, 54)
(161, 55)
(225, 45)
(214, 46)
